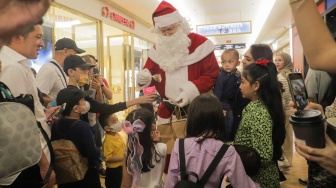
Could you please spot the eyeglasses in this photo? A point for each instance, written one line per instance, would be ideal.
(169, 29)
(278, 60)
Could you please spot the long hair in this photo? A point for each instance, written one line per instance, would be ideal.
(206, 118)
(270, 94)
(145, 138)
(261, 51)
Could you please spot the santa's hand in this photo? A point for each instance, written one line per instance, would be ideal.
(182, 100)
(143, 78)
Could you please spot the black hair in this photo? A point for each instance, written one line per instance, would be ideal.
(145, 138)
(250, 158)
(148, 106)
(25, 31)
(205, 118)
(261, 51)
(270, 94)
(103, 119)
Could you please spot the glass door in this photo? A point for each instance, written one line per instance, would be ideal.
(85, 36)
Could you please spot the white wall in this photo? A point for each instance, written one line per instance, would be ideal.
(93, 8)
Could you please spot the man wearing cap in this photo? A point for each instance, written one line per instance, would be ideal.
(77, 69)
(51, 77)
(182, 65)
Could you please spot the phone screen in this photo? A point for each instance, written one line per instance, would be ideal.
(298, 90)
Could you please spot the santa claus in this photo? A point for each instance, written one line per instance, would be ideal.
(182, 65)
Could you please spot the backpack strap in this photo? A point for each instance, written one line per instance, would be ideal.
(213, 164)
(62, 72)
(183, 171)
(52, 156)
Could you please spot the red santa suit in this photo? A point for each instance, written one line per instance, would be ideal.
(196, 75)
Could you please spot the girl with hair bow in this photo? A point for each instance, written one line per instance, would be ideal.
(145, 157)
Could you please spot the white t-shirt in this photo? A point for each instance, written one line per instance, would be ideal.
(50, 79)
(153, 178)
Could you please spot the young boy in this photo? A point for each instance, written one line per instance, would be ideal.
(226, 86)
(113, 149)
(79, 132)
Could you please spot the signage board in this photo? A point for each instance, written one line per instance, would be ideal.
(225, 29)
(228, 46)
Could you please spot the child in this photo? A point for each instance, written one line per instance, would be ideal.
(145, 157)
(205, 133)
(262, 126)
(80, 133)
(113, 149)
(226, 87)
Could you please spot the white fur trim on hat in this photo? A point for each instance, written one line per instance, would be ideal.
(168, 19)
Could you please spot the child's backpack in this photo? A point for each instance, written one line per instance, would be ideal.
(70, 165)
(185, 183)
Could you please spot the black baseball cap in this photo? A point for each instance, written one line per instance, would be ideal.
(71, 95)
(73, 61)
(69, 44)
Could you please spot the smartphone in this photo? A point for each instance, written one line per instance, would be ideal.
(297, 90)
(56, 112)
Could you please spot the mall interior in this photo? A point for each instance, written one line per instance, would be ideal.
(118, 33)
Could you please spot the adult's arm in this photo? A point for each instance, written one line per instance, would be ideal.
(317, 42)
(106, 89)
(102, 108)
(209, 71)
(45, 79)
(44, 166)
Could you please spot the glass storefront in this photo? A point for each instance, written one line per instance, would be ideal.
(120, 54)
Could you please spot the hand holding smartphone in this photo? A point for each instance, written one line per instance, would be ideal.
(297, 90)
(56, 113)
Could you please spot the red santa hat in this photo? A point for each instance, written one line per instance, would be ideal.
(165, 15)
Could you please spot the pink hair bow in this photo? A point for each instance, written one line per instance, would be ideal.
(134, 162)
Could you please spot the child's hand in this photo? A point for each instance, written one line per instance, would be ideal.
(156, 135)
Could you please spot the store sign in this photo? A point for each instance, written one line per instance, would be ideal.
(228, 46)
(117, 18)
(225, 29)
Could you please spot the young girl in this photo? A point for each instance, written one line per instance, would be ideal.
(145, 157)
(262, 126)
(205, 134)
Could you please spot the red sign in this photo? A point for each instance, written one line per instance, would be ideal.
(117, 18)
(228, 41)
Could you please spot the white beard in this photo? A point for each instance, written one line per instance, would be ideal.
(172, 50)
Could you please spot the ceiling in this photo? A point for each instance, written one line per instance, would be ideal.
(270, 18)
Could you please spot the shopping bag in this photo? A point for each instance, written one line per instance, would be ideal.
(167, 136)
(179, 128)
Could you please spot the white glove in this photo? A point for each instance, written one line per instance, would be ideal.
(182, 100)
(143, 78)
